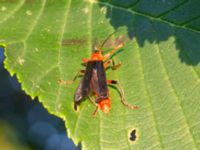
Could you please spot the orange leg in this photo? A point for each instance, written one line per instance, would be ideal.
(79, 73)
(121, 92)
(106, 64)
(114, 66)
(84, 60)
(97, 107)
(114, 50)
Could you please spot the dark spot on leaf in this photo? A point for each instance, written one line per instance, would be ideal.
(133, 136)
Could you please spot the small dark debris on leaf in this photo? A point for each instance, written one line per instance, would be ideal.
(133, 135)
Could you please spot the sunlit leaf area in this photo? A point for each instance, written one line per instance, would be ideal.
(46, 41)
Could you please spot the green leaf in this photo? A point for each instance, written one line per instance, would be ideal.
(47, 39)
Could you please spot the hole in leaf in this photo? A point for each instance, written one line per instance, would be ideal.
(133, 135)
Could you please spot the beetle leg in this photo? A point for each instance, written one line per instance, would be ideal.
(84, 60)
(106, 64)
(114, 50)
(95, 111)
(114, 66)
(79, 73)
(121, 92)
(93, 102)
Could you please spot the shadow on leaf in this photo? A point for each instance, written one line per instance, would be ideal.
(154, 30)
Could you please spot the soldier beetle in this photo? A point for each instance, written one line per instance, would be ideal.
(94, 80)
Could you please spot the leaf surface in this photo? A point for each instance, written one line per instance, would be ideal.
(160, 71)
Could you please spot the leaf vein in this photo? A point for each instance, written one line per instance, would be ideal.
(59, 53)
(173, 88)
(41, 77)
(36, 20)
(172, 9)
(134, 12)
(14, 10)
(150, 100)
(34, 24)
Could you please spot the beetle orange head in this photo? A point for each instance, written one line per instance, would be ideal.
(97, 55)
(105, 105)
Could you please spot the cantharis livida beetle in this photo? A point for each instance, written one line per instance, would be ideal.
(94, 82)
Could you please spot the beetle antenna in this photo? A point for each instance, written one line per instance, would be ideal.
(107, 39)
(94, 45)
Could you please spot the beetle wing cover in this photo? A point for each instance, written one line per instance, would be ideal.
(98, 84)
(83, 88)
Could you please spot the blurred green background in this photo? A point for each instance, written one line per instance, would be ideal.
(24, 123)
